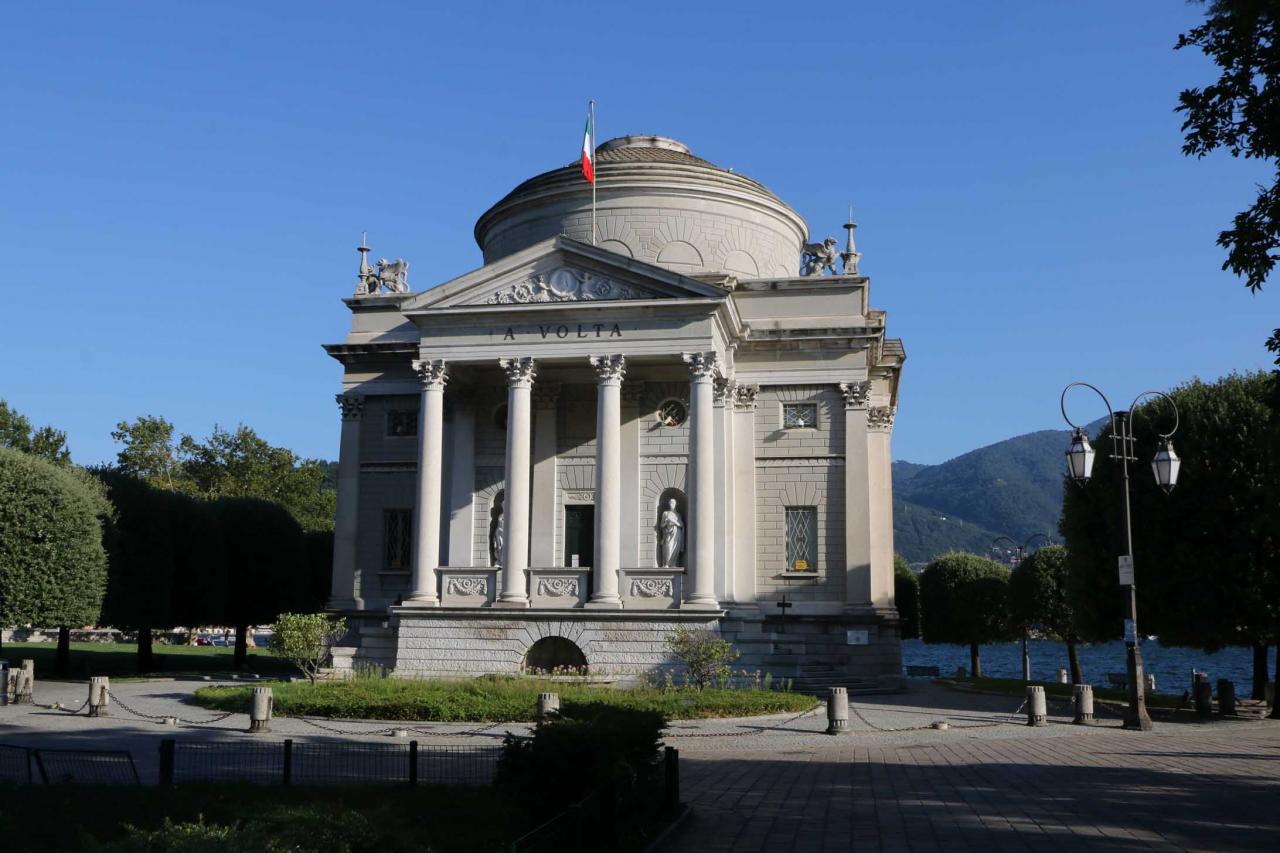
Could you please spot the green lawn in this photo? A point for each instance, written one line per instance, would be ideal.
(495, 699)
(255, 818)
(1018, 687)
(121, 659)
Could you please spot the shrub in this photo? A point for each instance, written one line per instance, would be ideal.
(707, 658)
(304, 639)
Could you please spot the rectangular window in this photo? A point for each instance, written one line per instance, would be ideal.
(802, 538)
(799, 415)
(396, 539)
(402, 423)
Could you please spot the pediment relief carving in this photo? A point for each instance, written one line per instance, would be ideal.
(565, 284)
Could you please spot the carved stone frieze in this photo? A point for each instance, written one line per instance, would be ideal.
(468, 586)
(520, 371)
(431, 373)
(855, 394)
(351, 406)
(652, 588)
(557, 587)
(583, 496)
(564, 285)
(880, 418)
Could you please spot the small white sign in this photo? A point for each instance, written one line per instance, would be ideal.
(1126, 571)
(573, 561)
(858, 638)
(1130, 636)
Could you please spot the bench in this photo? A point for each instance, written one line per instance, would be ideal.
(922, 671)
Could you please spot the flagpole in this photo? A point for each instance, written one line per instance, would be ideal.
(594, 177)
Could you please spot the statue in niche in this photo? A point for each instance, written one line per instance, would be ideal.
(672, 527)
(497, 538)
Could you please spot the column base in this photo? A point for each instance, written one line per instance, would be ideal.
(511, 603)
(700, 603)
(604, 602)
(422, 600)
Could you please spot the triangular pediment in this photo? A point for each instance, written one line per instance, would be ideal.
(560, 270)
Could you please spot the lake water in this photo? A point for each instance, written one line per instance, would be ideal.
(1171, 666)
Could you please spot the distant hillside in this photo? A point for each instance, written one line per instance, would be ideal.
(1011, 488)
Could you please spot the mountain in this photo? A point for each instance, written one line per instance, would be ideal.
(1011, 488)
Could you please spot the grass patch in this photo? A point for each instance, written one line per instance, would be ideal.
(1018, 687)
(121, 659)
(495, 700)
(326, 819)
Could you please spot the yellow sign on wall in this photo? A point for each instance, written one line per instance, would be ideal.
(801, 566)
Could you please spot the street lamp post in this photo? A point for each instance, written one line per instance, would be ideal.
(1020, 551)
(1165, 466)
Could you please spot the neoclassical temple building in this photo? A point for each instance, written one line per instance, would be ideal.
(565, 454)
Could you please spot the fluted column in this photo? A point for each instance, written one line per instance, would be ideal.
(608, 534)
(426, 521)
(345, 520)
(515, 516)
(703, 369)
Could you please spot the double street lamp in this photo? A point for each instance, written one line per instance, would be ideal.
(1020, 551)
(1165, 466)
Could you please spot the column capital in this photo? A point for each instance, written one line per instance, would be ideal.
(609, 368)
(703, 366)
(546, 395)
(880, 418)
(724, 390)
(520, 371)
(744, 397)
(855, 394)
(351, 406)
(432, 372)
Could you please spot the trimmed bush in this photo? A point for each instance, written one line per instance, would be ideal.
(965, 599)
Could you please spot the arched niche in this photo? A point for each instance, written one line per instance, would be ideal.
(682, 507)
(551, 653)
(680, 256)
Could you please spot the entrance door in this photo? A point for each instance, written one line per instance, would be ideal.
(579, 533)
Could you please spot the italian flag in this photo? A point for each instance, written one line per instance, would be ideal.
(588, 156)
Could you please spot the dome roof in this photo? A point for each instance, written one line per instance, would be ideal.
(658, 202)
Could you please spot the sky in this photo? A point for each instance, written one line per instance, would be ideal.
(182, 187)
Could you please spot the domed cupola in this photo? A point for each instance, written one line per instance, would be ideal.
(656, 202)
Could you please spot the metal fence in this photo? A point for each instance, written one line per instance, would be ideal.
(289, 763)
(15, 764)
(86, 767)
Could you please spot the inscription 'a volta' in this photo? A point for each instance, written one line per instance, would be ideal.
(569, 330)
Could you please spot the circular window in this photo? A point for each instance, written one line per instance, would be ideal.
(672, 413)
(500, 417)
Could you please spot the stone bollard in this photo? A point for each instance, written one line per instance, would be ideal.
(548, 705)
(1063, 678)
(1204, 697)
(24, 684)
(838, 711)
(260, 710)
(1084, 705)
(99, 696)
(1037, 707)
(1226, 698)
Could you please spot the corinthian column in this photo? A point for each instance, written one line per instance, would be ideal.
(607, 558)
(703, 369)
(426, 522)
(859, 487)
(344, 523)
(879, 430)
(515, 515)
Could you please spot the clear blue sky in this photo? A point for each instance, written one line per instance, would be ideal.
(182, 187)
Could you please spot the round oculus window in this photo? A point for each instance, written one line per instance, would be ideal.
(672, 413)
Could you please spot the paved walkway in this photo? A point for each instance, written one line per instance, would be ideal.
(895, 783)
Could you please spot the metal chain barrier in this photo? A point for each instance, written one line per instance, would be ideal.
(57, 706)
(217, 718)
(754, 731)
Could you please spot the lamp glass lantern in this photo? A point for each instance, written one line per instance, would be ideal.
(1165, 465)
(1080, 457)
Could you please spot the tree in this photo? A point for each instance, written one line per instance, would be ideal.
(1038, 600)
(1207, 555)
(965, 599)
(45, 442)
(148, 453)
(199, 583)
(304, 639)
(1240, 112)
(266, 564)
(52, 562)
(906, 593)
